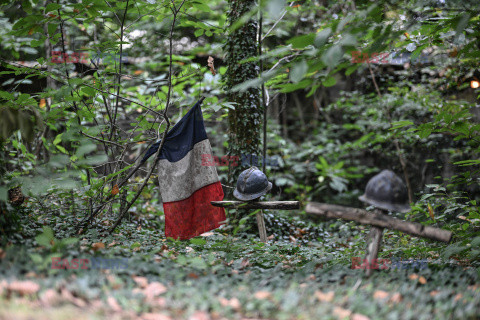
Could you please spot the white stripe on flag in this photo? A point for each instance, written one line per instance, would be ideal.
(179, 180)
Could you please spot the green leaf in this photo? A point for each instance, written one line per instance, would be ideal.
(6, 95)
(275, 8)
(58, 139)
(401, 124)
(52, 7)
(462, 22)
(52, 27)
(88, 91)
(330, 81)
(198, 241)
(332, 57)
(69, 241)
(3, 194)
(36, 43)
(322, 37)
(43, 240)
(352, 69)
(298, 71)
(302, 41)
(135, 245)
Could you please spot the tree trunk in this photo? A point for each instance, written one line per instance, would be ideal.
(245, 121)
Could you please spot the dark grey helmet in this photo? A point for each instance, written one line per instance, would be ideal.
(252, 184)
(386, 191)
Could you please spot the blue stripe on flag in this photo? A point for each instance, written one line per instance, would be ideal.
(182, 137)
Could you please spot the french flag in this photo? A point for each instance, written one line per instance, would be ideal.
(187, 186)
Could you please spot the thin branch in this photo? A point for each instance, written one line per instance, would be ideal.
(278, 20)
(165, 117)
(100, 140)
(112, 133)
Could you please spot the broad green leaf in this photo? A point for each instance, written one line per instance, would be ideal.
(332, 57)
(322, 37)
(298, 71)
(302, 41)
(330, 81)
(401, 124)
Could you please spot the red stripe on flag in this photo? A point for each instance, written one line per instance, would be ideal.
(195, 215)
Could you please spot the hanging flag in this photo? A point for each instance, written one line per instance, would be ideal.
(187, 186)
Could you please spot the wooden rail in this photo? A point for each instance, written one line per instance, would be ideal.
(378, 220)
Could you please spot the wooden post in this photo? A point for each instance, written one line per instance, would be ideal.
(373, 247)
(262, 231)
(283, 205)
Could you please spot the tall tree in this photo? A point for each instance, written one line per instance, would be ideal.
(245, 120)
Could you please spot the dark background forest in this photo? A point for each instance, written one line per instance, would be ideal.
(343, 90)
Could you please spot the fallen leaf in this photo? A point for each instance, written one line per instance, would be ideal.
(358, 316)
(155, 316)
(207, 234)
(341, 313)
(245, 263)
(210, 65)
(458, 297)
(50, 298)
(98, 245)
(474, 287)
(262, 295)
(113, 304)
(434, 293)
(141, 281)
(154, 289)
(422, 280)
(115, 190)
(115, 283)
(112, 244)
(137, 72)
(3, 286)
(193, 275)
(24, 287)
(233, 303)
(2, 253)
(42, 103)
(396, 297)
(324, 297)
(380, 294)
(430, 211)
(413, 276)
(199, 315)
(67, 295)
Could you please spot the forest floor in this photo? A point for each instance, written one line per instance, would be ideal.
(304, 272)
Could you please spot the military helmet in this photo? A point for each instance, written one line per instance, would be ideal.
(252, 184)
(386, 191)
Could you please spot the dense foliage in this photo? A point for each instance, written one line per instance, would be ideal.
(87, 86)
